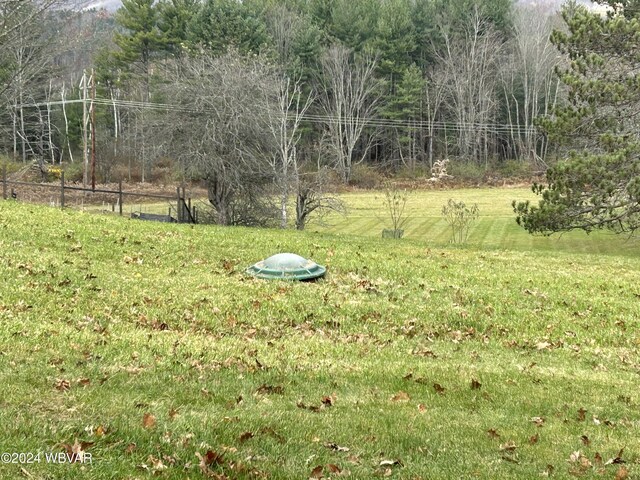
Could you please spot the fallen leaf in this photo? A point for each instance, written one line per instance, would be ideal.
(493, 433)
(62, 385)
(622, 474)
(401, 397)
(336, 447)
(390, 463)
(156, 464)
(581, 414)
(598, 459)
(585, 440)
(210, 458)
(100, 431)
(424, 353)
(148, 420)
(327, 401)
(317, 472)
(422, 408)
(130, 448)
(542, 345)
(534, 439)
(575, 456)
(475, 384)
(617, 460)
(509, 446)
(539, 421)
(304, 406)
(334, 468)
(439, 388)
(245, 436)
(76, 451)
(265, 389)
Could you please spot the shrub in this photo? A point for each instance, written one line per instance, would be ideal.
(459, 217)
(363, 176)
(395, 201)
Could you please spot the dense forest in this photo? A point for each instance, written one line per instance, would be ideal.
(259, 96)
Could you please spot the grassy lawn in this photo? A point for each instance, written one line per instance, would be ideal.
(145, 345)
(496, 228)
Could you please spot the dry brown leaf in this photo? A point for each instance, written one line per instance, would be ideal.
(622, 474)
(62, 385)
(130, 448)
(76, 452)
(334, 468)
(317, 472)
(209, 458)
(617, 460)
(585, 440)
(475, 384)
(148, 420)
(585, 463)
(245, 436)
(100, 431)
(575, 456)
(509, 446)
(265, 389)
(439, 388)
(422, 408)
(401, 397)
(493, 433)
(581, 414)
(336, 447)
(539, 421)
(534, 439)
(327, 401)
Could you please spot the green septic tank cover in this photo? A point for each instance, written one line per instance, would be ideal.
(287, 266)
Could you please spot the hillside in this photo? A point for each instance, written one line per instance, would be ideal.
(146, 346)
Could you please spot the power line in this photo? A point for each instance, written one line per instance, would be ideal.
(313, 118)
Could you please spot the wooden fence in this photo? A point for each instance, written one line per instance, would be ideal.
(185, 212)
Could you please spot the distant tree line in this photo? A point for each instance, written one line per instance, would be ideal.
(258, 98)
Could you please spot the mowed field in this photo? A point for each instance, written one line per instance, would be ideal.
(145, 350)
(495, 229)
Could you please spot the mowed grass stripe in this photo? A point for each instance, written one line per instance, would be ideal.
(495, 229)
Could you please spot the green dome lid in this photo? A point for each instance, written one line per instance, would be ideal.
(287, 266)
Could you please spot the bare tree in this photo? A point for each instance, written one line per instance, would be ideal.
(219, 131)
(314, 197)
(348, 96)
(285, 114)
(469, 66)
(529, 84)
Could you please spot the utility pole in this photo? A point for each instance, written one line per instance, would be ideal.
(85, 150)
(93, 130)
